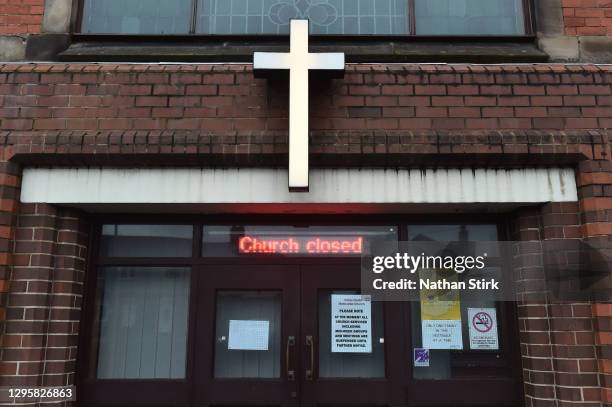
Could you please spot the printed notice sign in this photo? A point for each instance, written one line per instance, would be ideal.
(248, 335)
(351, 323)
(441, 315)
(483, 328)
(443, 334)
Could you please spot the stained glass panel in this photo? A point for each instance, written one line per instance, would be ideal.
(326, 16)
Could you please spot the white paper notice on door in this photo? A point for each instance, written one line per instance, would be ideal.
(351, 323)
(248, 335)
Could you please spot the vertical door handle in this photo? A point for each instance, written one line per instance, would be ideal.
(290, 372)
(310, 346)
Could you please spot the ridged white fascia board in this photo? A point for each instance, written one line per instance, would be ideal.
(265, 185)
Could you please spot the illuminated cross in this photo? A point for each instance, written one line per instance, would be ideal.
(299, 62)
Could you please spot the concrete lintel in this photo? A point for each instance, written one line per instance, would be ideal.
(269, 186)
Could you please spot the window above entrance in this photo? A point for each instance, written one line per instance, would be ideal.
(335, 17)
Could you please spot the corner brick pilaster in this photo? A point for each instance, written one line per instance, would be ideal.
(44, 300)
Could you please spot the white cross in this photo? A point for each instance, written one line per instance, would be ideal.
(298, 61)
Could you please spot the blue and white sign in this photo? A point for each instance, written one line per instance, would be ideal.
(248, 335)
(421, 357)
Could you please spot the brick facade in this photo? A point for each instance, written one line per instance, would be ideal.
(587, 17)
(121, 114)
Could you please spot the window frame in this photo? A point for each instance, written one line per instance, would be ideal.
(156, 391)
(528, 23)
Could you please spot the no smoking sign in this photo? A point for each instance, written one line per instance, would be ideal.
(482, 322)
(483, 328)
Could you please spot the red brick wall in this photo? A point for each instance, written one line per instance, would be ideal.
(9, 203)
(603, 339)
(204, 97)
(558, 338)
(595, 191)
(587, 17)
(21, 16)
(39, 341)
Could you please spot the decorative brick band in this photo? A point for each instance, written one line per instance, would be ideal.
(221, 98)
(330, 148)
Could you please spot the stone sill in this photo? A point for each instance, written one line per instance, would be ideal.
(497, 51)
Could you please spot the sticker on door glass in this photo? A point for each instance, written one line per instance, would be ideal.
(421, 357)
(248, 335)
(441, 313)
(351, 323)
(483, 328)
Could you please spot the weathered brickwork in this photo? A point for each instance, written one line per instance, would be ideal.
(587, 17)
(21, 16)
(202, 97)
(145, 115)
(225, 113)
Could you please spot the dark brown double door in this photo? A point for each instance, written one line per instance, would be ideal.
(264, 338)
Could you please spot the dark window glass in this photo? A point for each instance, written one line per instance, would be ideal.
(136, 16)
(469, 17)
(142, 327)
(325, 16)
(146, 240)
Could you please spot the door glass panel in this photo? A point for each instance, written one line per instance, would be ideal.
(369, 362)
(248, 334)
(143, 322)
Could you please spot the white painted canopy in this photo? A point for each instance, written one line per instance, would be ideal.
(74, 186)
